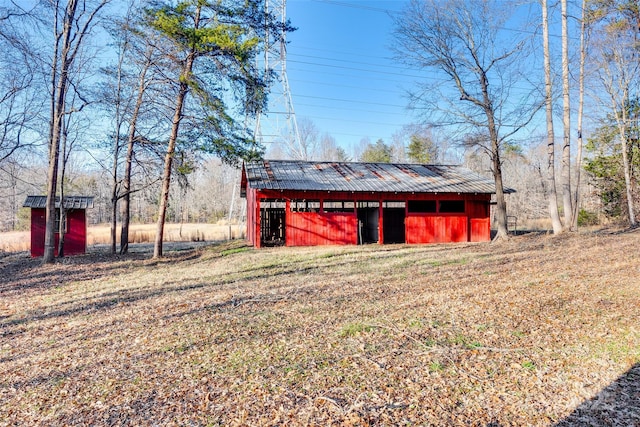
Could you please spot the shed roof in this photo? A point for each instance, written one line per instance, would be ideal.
(69, 202)
(365, 177)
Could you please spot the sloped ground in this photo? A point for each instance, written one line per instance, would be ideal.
(534, 331)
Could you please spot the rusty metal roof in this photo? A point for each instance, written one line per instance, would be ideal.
(69, 202)
(365, 177)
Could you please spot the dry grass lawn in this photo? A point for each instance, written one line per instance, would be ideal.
(16, 241)
(535, 331)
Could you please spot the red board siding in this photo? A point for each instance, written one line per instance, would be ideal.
(480, 229)
(38, 224)
(253, 227)
(311, 229)
(75, 241)
(436, 229)
(479, 221)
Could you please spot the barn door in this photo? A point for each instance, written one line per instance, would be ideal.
(393, 214)
(368, 219)
(272, 222)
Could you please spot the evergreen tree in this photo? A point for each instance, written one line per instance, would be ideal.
(376, 153)
(210, 50)
(421, 149)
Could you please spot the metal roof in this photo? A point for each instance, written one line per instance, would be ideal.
(365, 177)
(70, 202)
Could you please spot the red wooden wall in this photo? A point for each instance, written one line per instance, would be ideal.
(75, 240)
(312, 229)
(435, 229)
(322, 228)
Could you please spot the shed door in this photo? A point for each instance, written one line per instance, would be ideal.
(368, 217)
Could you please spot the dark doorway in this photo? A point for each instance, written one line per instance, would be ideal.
(393, 214)
(272, 222)
(368, 219)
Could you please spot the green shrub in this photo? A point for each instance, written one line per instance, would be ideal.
(586, 218)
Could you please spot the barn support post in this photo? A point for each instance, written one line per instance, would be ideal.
(380, 222)
(287, 216)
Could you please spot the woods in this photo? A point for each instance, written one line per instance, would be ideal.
(137, 102)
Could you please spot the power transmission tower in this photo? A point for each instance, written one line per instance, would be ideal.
(278, 122)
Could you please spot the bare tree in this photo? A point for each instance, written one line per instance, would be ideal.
(20, 105)
(307, 146)
(328, 149)
(76, 25)
(565, 172)
(117, 99)
(618, 28)
(580, 143)
(460, 40)
(147, 59)
(552, 195)
(125, 91)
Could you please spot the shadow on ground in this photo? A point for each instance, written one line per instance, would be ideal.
(19, 272)
(617, 405)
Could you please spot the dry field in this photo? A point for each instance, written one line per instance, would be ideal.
(537, 331)
(17, 241)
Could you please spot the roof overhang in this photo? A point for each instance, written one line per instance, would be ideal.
(69, 202)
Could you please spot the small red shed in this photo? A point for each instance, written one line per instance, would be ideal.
(298, 203)
(75, 238)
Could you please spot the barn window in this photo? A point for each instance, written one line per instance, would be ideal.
(272, 204)
(422, 206)
(346, 206)
(364, 205)
(452, 206)
(394, 204)
(305, 205)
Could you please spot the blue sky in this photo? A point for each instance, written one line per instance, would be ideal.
(341, 72)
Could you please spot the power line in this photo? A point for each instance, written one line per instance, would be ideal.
(353, 101)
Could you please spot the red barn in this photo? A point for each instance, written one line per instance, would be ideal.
(297, 203)
(75, 238)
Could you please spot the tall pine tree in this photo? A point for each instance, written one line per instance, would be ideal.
(210, 50)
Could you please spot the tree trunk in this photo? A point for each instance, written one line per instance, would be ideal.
(627, 181)
(185, 77)
(114, 211)
(115, 193)
(622, 129)
(59, 94)
(62, 211)
(126, 197)
(583, 54)
(114, 185)
(501, 203)
(126, 200)
(551, 172)
(166, 175)
(566, 123)
(168, 158)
